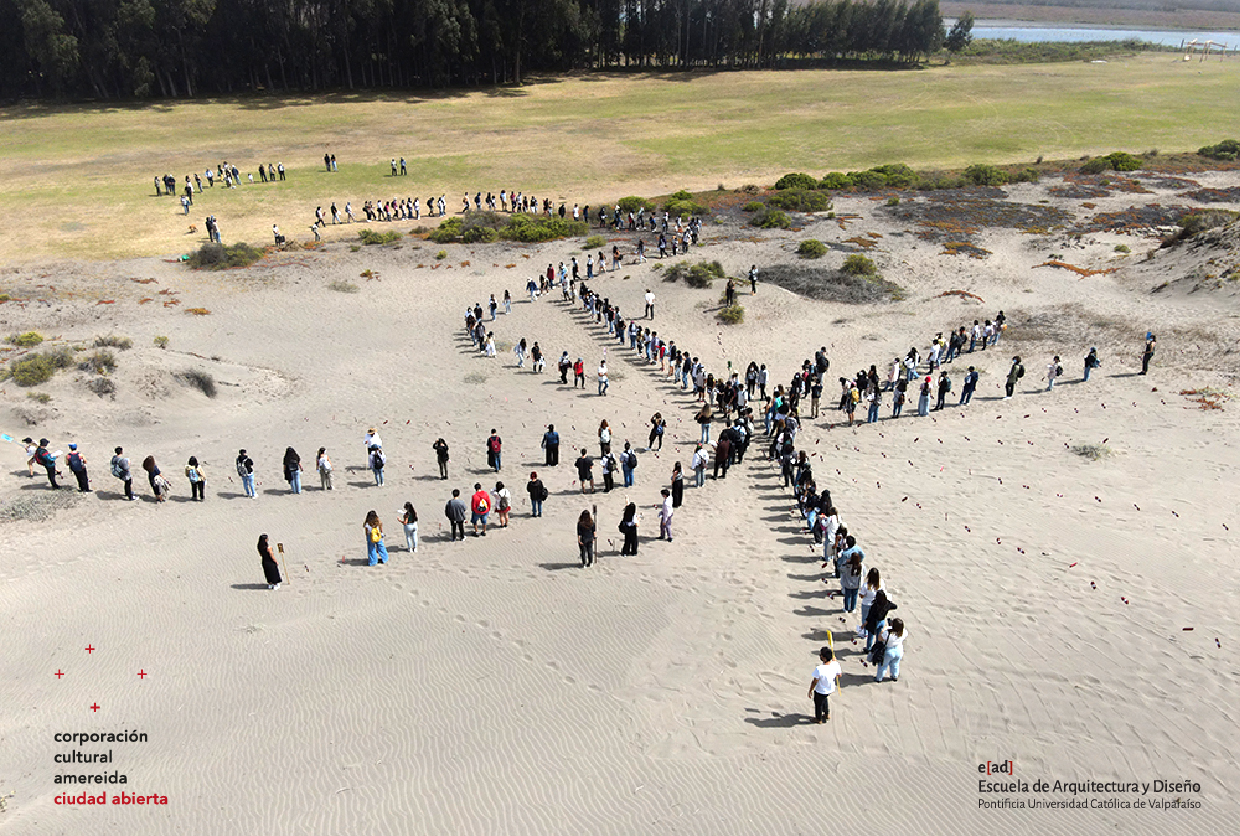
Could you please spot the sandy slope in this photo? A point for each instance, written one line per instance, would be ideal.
(494, 687)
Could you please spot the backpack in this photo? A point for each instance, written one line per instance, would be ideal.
(481, 506)
(878, 652)
(1020, 372)
(543, 493)
(117, 470)
(493, 444)
(632, 461)
(44, 458)
(503, 503)
(377, 461)
(1058, 370)
(241, 467)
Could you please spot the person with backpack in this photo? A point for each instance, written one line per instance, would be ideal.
(47, 461)
(1015, 373)
(893, 650)
(1053, 371)
(822, 686)
(876, 618)
(945, 386)
(454, 510)
(77, 464)
(502, 503)
(494, 445)
(292, 470)
(551, 443)
(970, 384)
(586, 536)
(1091, 363)
(441, 454)
(120, 469)
(480, 506)
(609, 465)
(628, 528)
(538, 494)
(197, 481)
(628, 463)
(245, 469)
(377, 462)
(565, 367)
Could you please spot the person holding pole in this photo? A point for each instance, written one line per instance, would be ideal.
(271, 569)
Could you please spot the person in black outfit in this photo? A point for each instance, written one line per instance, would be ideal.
(678, 486)
(628, 527)
(1148, 355)
(441, 452)
(271, 569)
(455, 512)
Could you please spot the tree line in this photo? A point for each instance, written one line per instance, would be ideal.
(120, 49)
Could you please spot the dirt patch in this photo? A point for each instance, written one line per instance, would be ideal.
(832, 285)
(1145, 220)
(1229, 195)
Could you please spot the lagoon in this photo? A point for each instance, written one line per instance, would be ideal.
(1032, 32)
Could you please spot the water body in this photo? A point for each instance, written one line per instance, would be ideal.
(1029, 32)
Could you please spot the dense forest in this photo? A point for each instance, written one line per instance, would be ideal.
(120, 49)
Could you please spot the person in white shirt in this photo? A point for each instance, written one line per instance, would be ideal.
(822, 686)
(372, 440)
(603, 382)
(894, 637)
(649, 304)
(665, 516)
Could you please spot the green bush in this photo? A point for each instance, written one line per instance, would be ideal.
(1029, 175)
(898, 175)
(101, 362)
(800, 200)
(635, 204)
(985, 175)
(893, 201)
(1228, 149)
(812, 248)
(699, 275)
(532, 230)
(39, 397)
(370, 236)
(113, 341)
(681, 195)
(1096, 166)
(487, 227)
(869, 181)
(732, 315)
(29, 339)
(441, 255)
(859, 265)
(754, 206)
(1122, 248)
(795, 181)
(770, 219)
(39, 368)
(202, 381)
(161, 342)
(835, 181)
(219, 257)
(595, 242)
(446, 232)
(1123, 161)
(677, 206)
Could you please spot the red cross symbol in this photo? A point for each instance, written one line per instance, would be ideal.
(89, 649)
(142, 674)
(95, 707)
(58, 673)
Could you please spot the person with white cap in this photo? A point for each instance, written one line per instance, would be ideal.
(77, 464)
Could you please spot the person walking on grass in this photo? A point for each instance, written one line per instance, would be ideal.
(480, 507)
(585, 538)
(409, 520)
(376, 551)
(822, 686)
(271, 569)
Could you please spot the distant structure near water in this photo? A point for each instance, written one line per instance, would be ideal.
(1205, 48)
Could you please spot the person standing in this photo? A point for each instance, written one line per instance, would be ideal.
(1091, 363)
(152, 471)
(1015, 373)
(850, 579)
(538, 494)
(876, 618)
(409, 520)
(753, 280)
(292, 469)
(944, 387)
(893, 640)
(441, 455)
(585, 470)
(551, 443)
(822, 686)
(1053, 371)
(698, 465)
(873, 584)
(585, 539)
(970, 384)
(628, 463)
(323, 464)
(77, 464)
(678, 486)
(628, 527)
(494, 447)
(376, 551)
(47, 460)
(604, 438)
(1151, 343)
(649, 304)
(665, 515)
(603, 381)
(455, 512)
(197, 480)
(377, 462)
(608, 463)
(271, 569)
(502, 503)
(480, 506)
(923, 398)
(120, 469)
(579, 373)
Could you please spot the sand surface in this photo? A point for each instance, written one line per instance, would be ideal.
(493, 686)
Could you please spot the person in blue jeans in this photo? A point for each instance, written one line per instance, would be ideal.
(704, 419)
(1091, 363)
(245, 469)
(376, 551)
(894, 638)
(850, 581)
(627, 459)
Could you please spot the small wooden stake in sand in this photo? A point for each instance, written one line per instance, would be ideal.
(283, 571)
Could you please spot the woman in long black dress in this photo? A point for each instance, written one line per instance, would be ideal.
(628, 527)
(678, 486)
(271, 569)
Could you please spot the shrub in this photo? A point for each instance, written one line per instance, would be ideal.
(341, 286)
(634, 204)
(871, 180)
(811, 248)
(985, 175)
(29, 339)
(795, 181)
(161, 342)
(732, 315)
(893, 201)
(898, 175)
(678, 207)
(101, 362)
(1228, 149)
(219, 257)
(101, 386)
(370, 236)
(799, 200)
(39, 397)
(699, 275)
(1122, 248)
(595, 242)
(1096, 166)
(39, 368)
(859, 265)
(1122, 161)
(836, 181)
(441, 255)
(533, 230)
(202, 381)
(681, 195)
(1029, 175)
(446, 232)
(770, 219)
(753, 206)
(1195, 223)
(113, 341)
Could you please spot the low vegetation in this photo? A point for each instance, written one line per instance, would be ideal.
(28, 339)
(341, 286)
(812, 248)
(699, 275)
(800, 200)
(1117, 161)
(161, 342)
(39, 367)
(200, 380)
(370, 236)
(1228, 150)
(732, 315)
(682, 203)
(101, 362)
(1195, 223)
(487, 227)
(770, 219)
(220, 257)
(113, 341)
(595, 242)
(1093, 452)
(635, 204)
(816, 282)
